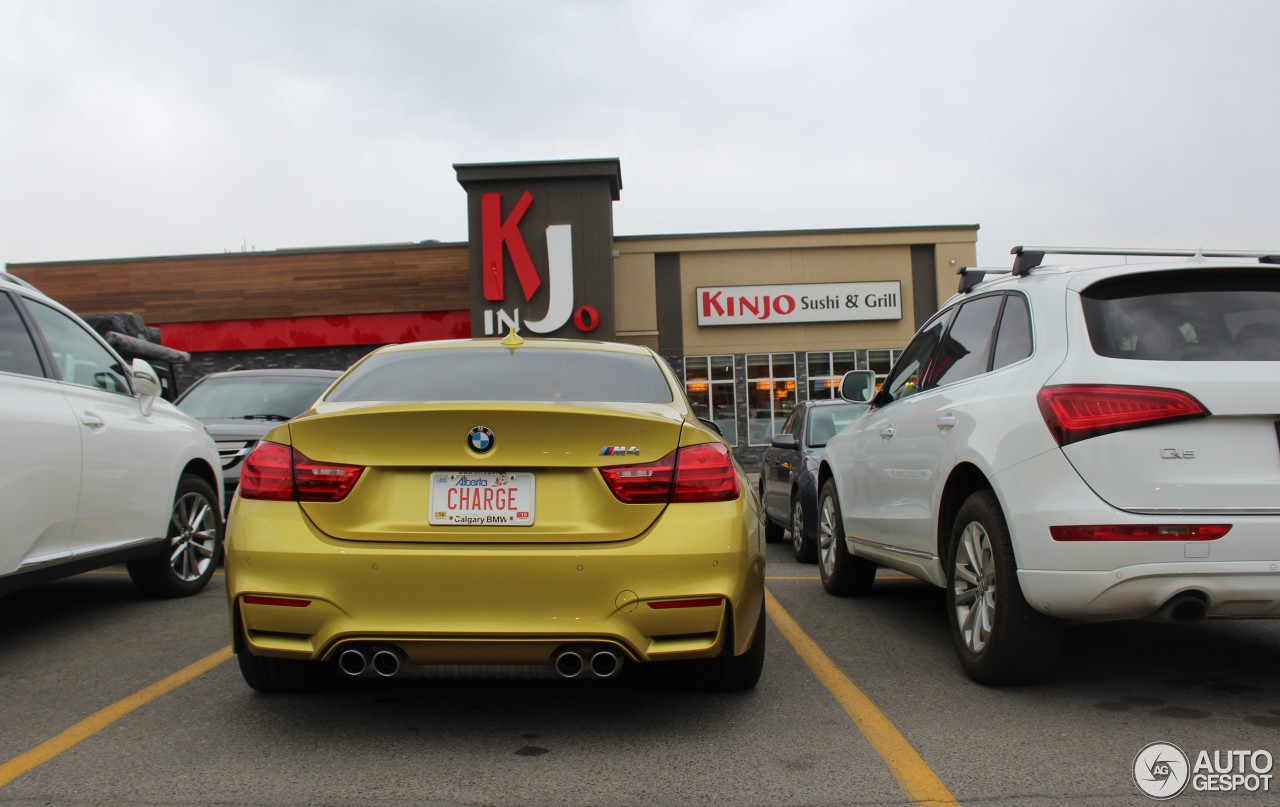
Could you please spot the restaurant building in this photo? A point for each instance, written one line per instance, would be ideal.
(753, 321)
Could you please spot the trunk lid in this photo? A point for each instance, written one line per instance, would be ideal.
(408, 450)
(1212, 332)
(1227, 462)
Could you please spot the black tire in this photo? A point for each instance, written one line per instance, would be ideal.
(772, 532)
(842, 572)
(195, 542)
(729, 673)
(802, 545)
(998, 637)
(281, 675)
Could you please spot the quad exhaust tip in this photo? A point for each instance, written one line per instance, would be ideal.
(383, 661)
(353, 661)
(587, 662)
(605, 663)
(569, 663)
(389, 661)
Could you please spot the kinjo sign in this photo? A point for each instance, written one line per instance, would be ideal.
(808, 302)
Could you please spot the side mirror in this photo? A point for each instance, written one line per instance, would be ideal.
(146, 385)
(858, 385)
(712, 425)
(787, 442)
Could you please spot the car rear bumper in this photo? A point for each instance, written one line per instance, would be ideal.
(1228, 589)
(492, 604)
(1237, 574)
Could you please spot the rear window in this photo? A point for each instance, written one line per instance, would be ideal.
(1211, 315)
(526, 374)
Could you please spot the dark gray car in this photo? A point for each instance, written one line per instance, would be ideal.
(788, 478)
(237, 407)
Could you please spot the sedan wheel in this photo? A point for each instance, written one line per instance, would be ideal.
(195, 538)
(801, 545)
(841, 571)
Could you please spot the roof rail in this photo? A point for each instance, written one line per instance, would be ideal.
(1027, 258)
(971, 276)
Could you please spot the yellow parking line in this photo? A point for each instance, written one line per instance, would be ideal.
(98, 721)
(816, 577)
(914, 776)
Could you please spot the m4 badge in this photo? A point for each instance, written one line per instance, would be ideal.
(619, 451)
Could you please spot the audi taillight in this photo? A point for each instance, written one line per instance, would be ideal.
(1076, 412)
(282, 473)
(701, 473)
(1139, 532)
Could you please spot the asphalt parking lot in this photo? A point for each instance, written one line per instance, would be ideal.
(111, 698)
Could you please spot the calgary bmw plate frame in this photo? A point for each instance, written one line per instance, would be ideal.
(481, 498)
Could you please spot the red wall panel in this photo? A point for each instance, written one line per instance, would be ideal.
(294, 332)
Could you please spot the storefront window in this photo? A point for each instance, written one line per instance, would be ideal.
(825, 371)
(880, 362)
(771, 394)
(708, 381)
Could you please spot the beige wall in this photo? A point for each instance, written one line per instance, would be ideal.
(821, 265)
(950, 258)
(787, 258)
(634, 293)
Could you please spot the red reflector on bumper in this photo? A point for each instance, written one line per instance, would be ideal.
(1139, 532)
(706, 602)
(287, 602)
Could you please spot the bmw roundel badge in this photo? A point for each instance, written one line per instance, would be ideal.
(480, 439)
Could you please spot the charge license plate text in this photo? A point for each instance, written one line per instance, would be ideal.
(481, 499)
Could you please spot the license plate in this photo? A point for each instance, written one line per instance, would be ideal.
(481, 499)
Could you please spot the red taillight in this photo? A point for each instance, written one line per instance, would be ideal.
(642, 484)
(1078, 411)
(323, 481)
(268, 473)
(704, 473)
(701, 473)
(281, 473)
(1139, 532)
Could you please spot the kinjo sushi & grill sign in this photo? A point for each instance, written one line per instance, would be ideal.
(808, 302)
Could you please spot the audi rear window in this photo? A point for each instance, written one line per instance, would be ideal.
(1209, 315)
(523, 374)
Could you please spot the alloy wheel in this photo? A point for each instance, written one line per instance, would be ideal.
(193, 536)
(797, 526)
(827, 536)
(975, 587)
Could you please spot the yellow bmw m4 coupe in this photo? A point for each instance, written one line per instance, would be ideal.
(530, 506)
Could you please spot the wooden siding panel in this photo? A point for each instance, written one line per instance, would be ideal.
(262, 285)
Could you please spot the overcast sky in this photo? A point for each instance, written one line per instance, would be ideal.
(132, 128)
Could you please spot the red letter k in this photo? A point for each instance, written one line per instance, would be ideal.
(494, 232)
